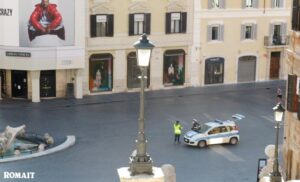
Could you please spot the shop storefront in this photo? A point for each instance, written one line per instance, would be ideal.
(214, 70)
(133, 72)
(174, 67)
(40, 56)
(246, 69)
(100, 72)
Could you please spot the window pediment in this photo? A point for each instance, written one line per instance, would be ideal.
(176, 5)
(138, 7)
(101, 8)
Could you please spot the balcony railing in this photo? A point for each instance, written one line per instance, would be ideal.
(276, 40)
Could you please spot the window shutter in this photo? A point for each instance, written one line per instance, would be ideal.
(254, 31)
(295, 16)
(292, 97)
(283, 33)
(168, 23)
(93, 25)
(283, 29)
(183, 22)
(223, 4)
(243, 32)
(221, 32)
(273, 3)
(110, 25)
(210, 4)
(243, 3)
(131, 24)
(255, 3)
(147, 23)
(209, 29)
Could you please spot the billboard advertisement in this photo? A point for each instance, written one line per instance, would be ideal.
(9, 23)
(46, 23)
(36, 23)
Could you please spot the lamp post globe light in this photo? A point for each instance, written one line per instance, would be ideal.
(140, 161)
(278, 115)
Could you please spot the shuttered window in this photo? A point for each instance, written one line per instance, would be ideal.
(102, 25)
(216, 4)
(215, 33)
(248, 31)
(250, 3)
(139, 23)
(176, 22)
(292, 97)
(277, 3)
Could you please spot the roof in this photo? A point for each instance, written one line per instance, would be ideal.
(218, 122)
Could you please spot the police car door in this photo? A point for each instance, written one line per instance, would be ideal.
(217, 135)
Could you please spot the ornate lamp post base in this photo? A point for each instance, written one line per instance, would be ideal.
(140, 164)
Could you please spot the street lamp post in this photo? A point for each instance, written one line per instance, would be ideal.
(278, 115)
(141, 162)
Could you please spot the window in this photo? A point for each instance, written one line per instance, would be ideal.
(296, 15)
(176, 22)
(139, 23)
(277, 35)
(248, 31)
(174, 67)
(215, 33)
(277, 4)
(102, 25)
(292, 97)
(250, 3)
(216, 4)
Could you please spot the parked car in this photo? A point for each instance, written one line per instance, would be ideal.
(214, 132)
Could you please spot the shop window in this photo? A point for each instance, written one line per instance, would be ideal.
(102, 25)
(133, 72)
(174, 67)
(296, 15)
(176, 22)
(139, 23)
(214, 70)
(100, 72)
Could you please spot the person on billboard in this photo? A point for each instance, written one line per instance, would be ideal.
(45, 19)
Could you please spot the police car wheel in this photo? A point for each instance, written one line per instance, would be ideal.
(202, 144)
(233, 141)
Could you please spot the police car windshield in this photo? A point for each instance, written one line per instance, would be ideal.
(203, 128)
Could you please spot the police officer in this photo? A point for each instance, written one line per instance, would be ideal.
(177, 131)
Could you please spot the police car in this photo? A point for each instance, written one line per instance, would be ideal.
(214, 132)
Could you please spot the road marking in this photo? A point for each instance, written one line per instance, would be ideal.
(226, 153)
(268, 118)
(209, 117)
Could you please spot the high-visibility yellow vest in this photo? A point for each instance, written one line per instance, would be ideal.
(177, 129)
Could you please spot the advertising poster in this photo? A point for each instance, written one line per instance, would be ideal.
(9, 23)
(46, 23)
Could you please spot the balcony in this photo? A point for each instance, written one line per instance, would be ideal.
(276, 41)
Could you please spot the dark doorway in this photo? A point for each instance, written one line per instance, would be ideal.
(19, 83)
(274, 65)
(214, 70)
(3, 82)
(48, 84)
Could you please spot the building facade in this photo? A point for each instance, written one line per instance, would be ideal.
(291, 147)
(42, 49)
(197, 42)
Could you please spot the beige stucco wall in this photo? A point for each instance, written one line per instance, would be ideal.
(291, 147)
